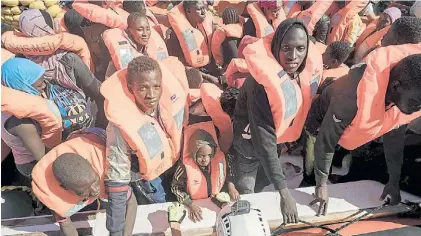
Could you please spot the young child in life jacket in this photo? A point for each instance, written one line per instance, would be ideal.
(386, 88)
(71, 177)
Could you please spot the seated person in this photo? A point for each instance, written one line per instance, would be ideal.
(321, 29)
(265, 16)
(195, 80)
(37, 113)
(203, 171)
(372, 35)
(70, 177)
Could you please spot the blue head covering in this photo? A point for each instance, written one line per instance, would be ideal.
(21, 74)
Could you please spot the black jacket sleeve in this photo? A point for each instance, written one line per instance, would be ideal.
(250, 28)
(263, 136)
(229, 50)
(321, 29)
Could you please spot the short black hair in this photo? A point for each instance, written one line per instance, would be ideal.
(408, 70)
(135, 16)
(407, 30)
(134, 6)
(340, 50)
(230, 16)
(139, 65)
(187, 4)
(194, 78)
(229, 99)
(70, 169)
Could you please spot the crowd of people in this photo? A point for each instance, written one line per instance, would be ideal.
(132, 102)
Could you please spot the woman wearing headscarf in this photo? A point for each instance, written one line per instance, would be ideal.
(61, 67)
(371, 37)
(273, 103)
(22, 134)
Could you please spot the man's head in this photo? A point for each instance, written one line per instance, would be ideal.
(229, 99)
(389, 16)
(270, 8)
(144, 79)
(134, 6)
(195, 11)
(290, 45)
(194, 78)
(405, 30)
(336, 54)
(138, 27)
(230, 16)
(76, 174)
(341, 4)
(404, 89)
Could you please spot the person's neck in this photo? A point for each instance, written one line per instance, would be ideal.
(149, 112)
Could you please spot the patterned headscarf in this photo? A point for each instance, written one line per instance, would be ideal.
(270, 4)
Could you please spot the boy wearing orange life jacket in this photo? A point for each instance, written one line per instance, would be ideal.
(70, 177)
(377, 99)
(333, 58)
(272, 106)
(143, 136)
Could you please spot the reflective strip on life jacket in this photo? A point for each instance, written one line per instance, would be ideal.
(45, 112)
(195, 43)
(372, 119)
(289, 101)
(312, 15)
(340, 20)
(122, 52)
(47, 188)
(211, 95)
(219, 36)
(18, 43)
(196, 182)
(263, 27)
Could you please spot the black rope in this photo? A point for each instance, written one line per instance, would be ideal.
(334, 232)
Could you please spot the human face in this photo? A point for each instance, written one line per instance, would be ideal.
(196, 13)
(40, 85)
(272, 13)
(389, 38)
(140, 31)
(147, 90)
(293, 49)
(408, 101)
(328, 61)
(384, 20)
(89, 189)
(204, 155)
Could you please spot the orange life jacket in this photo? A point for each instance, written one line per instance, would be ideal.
(340, 20)
(312, 15)
(335, 73)
(178, 70)
(196, 182)
(231, 30)
(289, 101)
(195, 43)
(263, 27)
(5, 55)
(45, 112)
(157, 148)
(47, 188)
(123, 51)
(369, 39)
(291, 8)
(18, 43)
(321, 47)
(246, 40)
(151, 2)
(194, 95)
(236, 72)
(106, 16)
(60, 25)
(211, 95)
(373, 119)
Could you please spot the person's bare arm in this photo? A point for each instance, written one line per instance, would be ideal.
(175, 229)
(26, 130)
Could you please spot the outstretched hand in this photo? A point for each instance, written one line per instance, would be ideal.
(321, 196)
